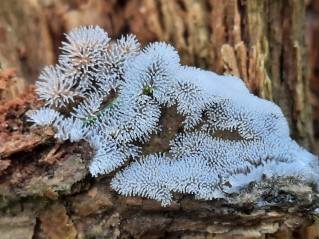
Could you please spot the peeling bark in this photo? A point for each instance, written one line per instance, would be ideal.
(48, 188)
(263, 42)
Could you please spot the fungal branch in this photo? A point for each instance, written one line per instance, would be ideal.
(112, 95)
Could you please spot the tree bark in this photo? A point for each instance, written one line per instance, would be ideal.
(261, 41)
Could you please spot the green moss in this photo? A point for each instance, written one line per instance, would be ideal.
(148, 91)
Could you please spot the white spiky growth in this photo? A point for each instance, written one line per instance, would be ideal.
(44, 116)
(115, 94)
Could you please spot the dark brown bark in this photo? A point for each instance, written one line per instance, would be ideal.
(263, 42)
(260, 41)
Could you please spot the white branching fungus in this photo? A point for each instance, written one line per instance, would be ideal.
(55, 88)
(85, 51)
(155, 68)
(88, 107)
(117, 54)
(44, 116)
(117, 94)
(69, 128)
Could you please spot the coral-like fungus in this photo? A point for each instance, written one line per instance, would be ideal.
(114, 95)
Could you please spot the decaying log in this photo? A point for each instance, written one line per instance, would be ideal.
(260, 41)
(59, 198)
(90, 209)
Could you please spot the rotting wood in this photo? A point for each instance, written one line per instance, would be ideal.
(262, 41)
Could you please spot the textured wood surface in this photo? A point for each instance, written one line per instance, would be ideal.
(263, 42)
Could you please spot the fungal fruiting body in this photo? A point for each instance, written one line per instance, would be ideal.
(115, 94)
